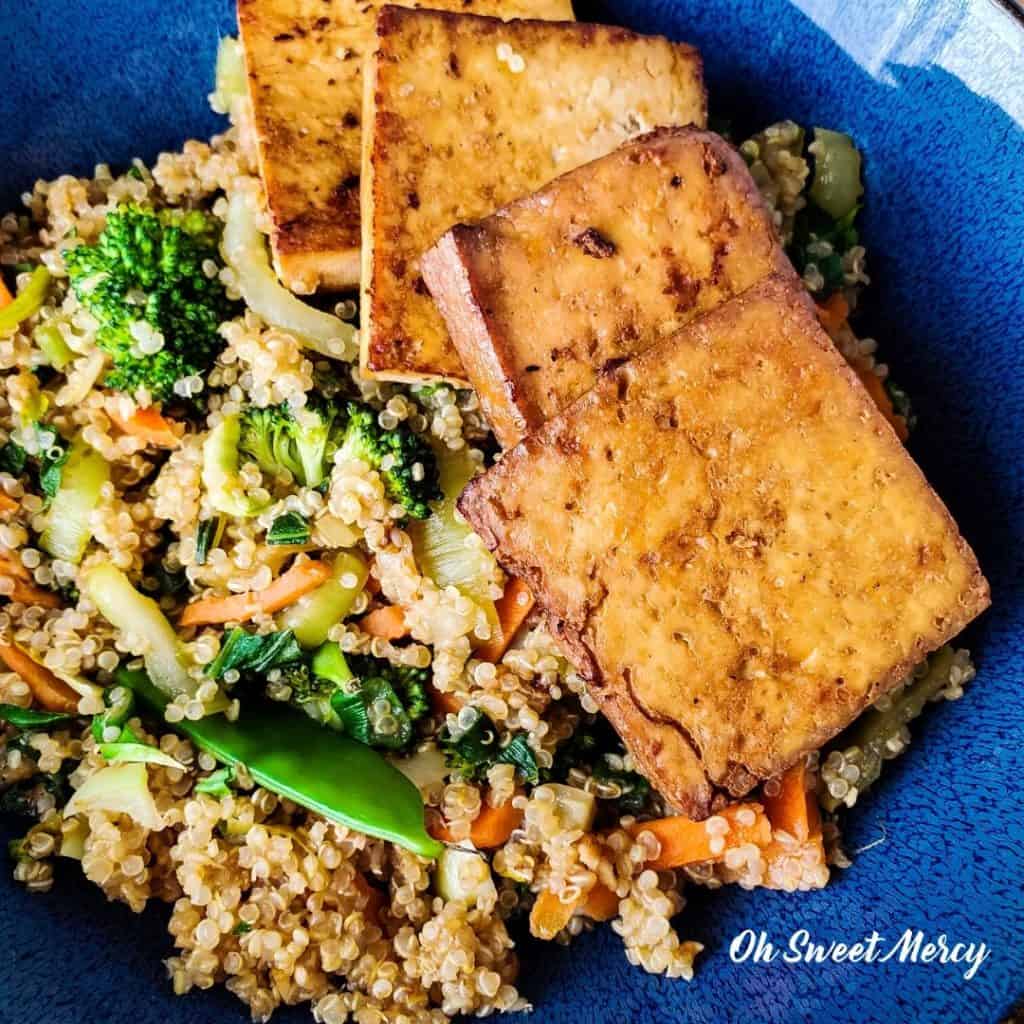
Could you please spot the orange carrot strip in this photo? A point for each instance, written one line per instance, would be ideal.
(512, 607)
(601, 903)
(833, 312)
(11, 566)
(149, 425)
(298, 581)
(876, 389)
(549, 915)
(388, 623)
(29, 593)
(689, 842)
(49, 691)
(442, 703)
(6, 298)
(7, 503)
(793, 809)
(492, 827)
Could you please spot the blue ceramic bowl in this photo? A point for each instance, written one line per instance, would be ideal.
(934, 93)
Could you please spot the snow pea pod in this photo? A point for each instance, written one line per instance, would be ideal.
(291, 755)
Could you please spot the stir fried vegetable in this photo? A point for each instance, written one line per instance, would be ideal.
(128, 610)
(68, 529)
(341, 779)
(159, 310)
(245, 251)
(28, 302)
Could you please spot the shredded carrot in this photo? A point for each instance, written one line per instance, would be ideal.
(876, 389)
(148, 425)
(298, 581)
(442, 703)
(689, 842)
(29, 593)
(833, 312)
(6, 298)
(11, 566)
(793, 808)
(49, 691)
(549, 915)
(492, 827)
(512, 607)
(388, 623)
(7, 503)
(600, 904)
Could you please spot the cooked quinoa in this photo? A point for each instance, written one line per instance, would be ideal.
(270, 899)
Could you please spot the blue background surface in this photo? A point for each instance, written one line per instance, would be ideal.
(934, 93)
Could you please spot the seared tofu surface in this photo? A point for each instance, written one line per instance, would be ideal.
(464, 114)
(596, 266)
(733, 545)
(305, 65)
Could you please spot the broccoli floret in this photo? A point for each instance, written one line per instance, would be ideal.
(476, 748)
(302, 442)
(370, 700)
(404, 460)
(305, 442)
(157, 308)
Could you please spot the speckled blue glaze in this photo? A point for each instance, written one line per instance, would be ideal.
(934, 93)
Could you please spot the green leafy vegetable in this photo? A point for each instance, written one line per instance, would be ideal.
(30, 718)
(51, 466)
(255, 653)
(208, 535)
(13, 458)
(475, 749)
(289, 528)
(590, 750)
(217, 783)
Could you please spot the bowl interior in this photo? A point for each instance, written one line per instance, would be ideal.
(932, 94)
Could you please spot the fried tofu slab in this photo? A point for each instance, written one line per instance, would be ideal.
(732, 544)
(305, 66)
(464, 114)
(596, 266)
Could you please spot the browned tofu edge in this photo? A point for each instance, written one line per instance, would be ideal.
(645, 736)
(389, 19)
(483, 346)
(313, 247)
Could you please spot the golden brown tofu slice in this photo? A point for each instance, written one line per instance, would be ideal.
(464, 114)
(596, 266)
(305, 65)
(733, 545)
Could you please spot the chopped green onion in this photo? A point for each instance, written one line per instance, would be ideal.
(208, 535)
(137, 753)
(254, 652)
(216, 783)
(289, 528)
(30, 718)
